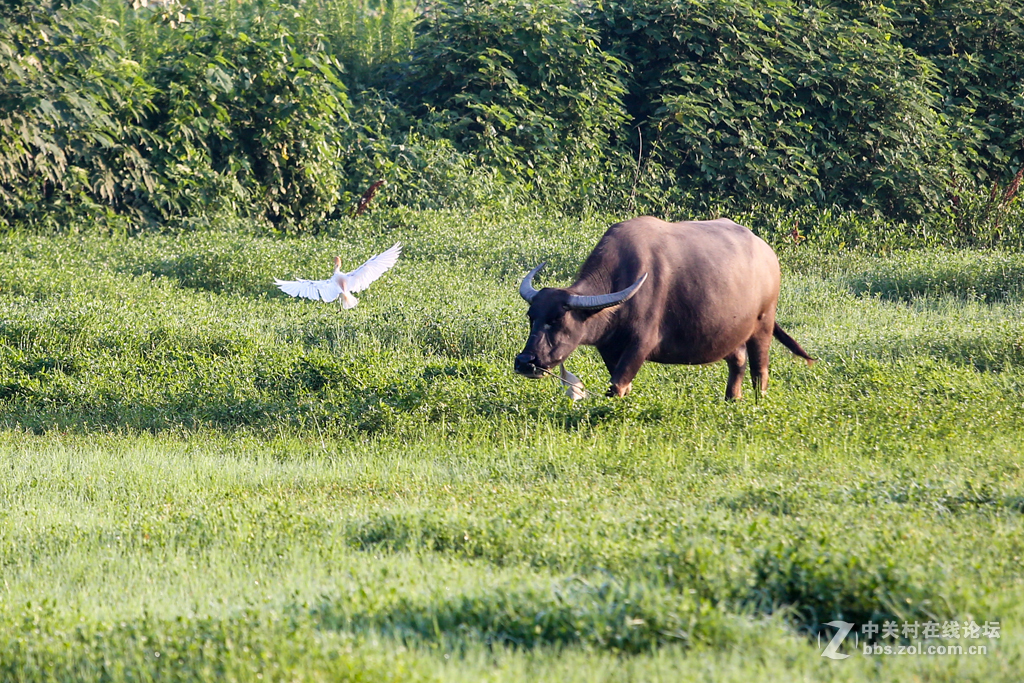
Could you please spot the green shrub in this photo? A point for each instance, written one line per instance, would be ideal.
(784, 102)
(288, 110)
(978, 48)
(522, 84)
(247, 113)
(183, 113)
(72, 109)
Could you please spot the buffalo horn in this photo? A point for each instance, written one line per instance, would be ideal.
(599, 301)
(526, 289)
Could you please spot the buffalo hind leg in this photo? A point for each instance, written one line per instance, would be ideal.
(737, 362)
(757, 353)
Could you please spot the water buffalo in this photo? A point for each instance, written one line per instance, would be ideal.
(687, 293)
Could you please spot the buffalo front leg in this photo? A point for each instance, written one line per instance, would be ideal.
(625, 370)
(737, 362)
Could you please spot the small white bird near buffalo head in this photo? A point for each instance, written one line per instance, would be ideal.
(574, 388)
(342, 284)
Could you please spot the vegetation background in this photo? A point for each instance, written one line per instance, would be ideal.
(206, 480)
(287, 112)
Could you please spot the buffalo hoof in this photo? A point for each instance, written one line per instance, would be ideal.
(615, 391)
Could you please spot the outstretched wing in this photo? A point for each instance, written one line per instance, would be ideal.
(360, 278)
(317, 290)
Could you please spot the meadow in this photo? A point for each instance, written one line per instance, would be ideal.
(207, 480)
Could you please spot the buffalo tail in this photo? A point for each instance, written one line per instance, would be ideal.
(791, 344)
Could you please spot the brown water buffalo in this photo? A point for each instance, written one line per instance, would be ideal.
(687, 293)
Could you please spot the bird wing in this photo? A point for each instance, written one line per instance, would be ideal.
(360, 278)
(317, 290)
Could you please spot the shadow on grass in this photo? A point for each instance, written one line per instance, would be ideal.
(625, 617)
(310, 396)
(985, 277)
(218, 272)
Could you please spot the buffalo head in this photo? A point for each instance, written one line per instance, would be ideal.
(557, 322)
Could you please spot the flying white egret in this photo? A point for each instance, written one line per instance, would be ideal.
(342, 284)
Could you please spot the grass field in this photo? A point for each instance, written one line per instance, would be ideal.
(207, 480)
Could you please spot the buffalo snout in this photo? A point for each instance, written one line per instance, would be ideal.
(526, 364)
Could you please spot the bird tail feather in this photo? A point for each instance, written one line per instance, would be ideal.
(347, 300)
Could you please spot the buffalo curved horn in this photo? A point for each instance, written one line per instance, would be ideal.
(526, 289)
(599, 301)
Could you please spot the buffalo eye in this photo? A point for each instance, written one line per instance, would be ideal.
(545, 327)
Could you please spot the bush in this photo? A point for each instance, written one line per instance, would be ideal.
(978, 48)
(288, 110)
(71, 121)
(249, 115)
(182, 114)
(784, 102)
(522, 84)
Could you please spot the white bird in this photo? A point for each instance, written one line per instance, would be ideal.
(573, 386)
(342, 284)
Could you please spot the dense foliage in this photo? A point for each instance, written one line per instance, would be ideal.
(287, 110)
(786, 101)
(524, 83)
(215, 114)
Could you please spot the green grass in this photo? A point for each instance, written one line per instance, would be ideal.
(254, 486)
